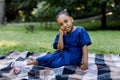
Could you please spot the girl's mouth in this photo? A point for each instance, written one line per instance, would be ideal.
(67, 29)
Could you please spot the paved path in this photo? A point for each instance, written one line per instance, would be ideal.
(38, 23)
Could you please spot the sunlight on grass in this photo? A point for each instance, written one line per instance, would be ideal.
(5, 43)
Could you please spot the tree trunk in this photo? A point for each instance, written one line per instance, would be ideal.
(103, 19)
(2, 12)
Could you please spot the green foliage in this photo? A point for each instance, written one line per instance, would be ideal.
(102, 1)
(14, 7)
(42, 7)
(77, 8)
(117, 9)
(45, 10)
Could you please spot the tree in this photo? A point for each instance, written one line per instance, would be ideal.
(102, 5)
(103, 12)
(47, 9)
(27, 7)
(52, 7)
(2, 12)
(20, 8)
(117, 8)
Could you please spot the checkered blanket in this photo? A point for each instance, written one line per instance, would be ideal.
(101, 67)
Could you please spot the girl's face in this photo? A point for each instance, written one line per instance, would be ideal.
(65, 23)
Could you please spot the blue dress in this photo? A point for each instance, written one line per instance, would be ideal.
(72, 52)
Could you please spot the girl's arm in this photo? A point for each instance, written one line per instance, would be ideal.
(84, 65)
(60, 44)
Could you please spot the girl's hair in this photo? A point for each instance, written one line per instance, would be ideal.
(61, 13)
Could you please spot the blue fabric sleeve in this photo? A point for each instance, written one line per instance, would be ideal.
(56, 41)
(84, 37)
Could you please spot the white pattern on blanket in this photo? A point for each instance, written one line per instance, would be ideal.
(101, 67)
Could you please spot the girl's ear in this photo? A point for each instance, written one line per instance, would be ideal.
(72, 19)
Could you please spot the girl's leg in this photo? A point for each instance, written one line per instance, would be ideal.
(39, 60)
(20, 64)
(33, 62)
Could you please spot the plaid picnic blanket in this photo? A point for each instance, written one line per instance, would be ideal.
(101, 67)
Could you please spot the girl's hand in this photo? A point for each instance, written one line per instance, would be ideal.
(84, 66)
(62, 31)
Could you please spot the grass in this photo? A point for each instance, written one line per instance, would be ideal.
(105, 42)
(41, 40)
(17, 38)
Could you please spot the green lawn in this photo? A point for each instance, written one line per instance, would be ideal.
(105, 42)
(17, 38)
(41, 40)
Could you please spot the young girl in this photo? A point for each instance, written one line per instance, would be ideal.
(70, 43)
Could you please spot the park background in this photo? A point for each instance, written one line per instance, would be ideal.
(30, 24)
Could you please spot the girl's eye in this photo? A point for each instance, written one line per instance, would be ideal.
(61, 24)
(66, 21)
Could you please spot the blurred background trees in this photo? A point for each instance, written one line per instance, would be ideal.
(20, 10)
(2, 11)
(45, 10)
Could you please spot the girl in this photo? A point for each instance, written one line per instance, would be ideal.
(70, 43)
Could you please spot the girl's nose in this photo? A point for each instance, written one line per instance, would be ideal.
(65, 24)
